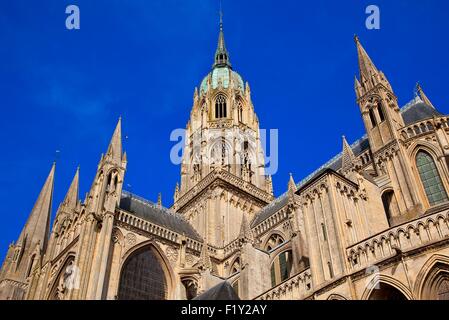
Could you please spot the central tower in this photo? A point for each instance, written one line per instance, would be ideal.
(223, 182)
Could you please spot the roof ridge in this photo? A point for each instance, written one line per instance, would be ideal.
(153, 205)
(167, 211)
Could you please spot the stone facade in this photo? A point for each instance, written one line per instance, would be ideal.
(372, 223)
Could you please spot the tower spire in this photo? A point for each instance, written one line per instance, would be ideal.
(366, 65)
(221, 54)
(245, 229)
(71, 198)
(115, 146)
(37, 227)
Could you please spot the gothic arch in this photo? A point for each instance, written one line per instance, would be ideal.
(391, 205)
(57, 285)
(418, 145)
(190, 284)
(336, 296)
(435, 154)
(271, 235)
(217, 146)
(221, 106)
(168, 273)
(240, 105)
(433, 272)
(389, 283)
(281, 271)
(235, 261)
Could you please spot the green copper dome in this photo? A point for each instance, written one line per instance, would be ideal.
(223, 75)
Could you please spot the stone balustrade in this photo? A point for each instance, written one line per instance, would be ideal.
(407, 236)
(156, 230)
(424, 127)
(294, 288)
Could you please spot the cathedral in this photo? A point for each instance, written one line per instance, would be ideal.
(370, 224)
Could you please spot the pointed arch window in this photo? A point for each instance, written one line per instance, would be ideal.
(235, 267)
(391, 206)
(281, 267)
(430, 178)
(380, 111)
(372, 118)
(240, 111)
(142, 277)
(443, 290)
(220, 107)
(274, 241)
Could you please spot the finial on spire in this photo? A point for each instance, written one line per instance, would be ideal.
(291, 183)
(221, 54)
(221, 16)
(366, 65)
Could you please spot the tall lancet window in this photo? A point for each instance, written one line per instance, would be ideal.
(220, 107)
(240, 111)
(380, 110)
(430, 178)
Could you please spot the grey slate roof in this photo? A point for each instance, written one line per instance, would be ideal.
(270, 209)
(414, 111)
(418, 111)
(161, 216)
(222, 291)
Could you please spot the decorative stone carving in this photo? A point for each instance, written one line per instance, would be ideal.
(172, 254)
(131, 239)
(190, 259)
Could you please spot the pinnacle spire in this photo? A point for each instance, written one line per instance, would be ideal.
(71, 198)
(348, 154)
(291, 183)
(366, 65)
(245, 229)
(37, 227)
(423, 96)
(115, 146)
(221, 54)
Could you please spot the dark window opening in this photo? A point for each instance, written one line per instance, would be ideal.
(220, 107)
(430, 178)
(381, 112)
(390, 205)
(372, 118)
(386, 292)
(323, 228)
(142, 277)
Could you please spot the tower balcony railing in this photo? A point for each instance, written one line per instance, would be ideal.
(294, 288)
(428, 229)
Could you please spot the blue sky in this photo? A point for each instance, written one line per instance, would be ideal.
(141, 59)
